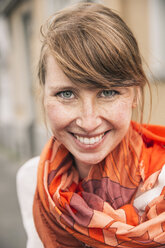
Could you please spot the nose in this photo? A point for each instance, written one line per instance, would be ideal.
(89, 118)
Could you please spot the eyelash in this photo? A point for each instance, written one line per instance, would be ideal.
(114, 92)
(59, 94)
(62, 92)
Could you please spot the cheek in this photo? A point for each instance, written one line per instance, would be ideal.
(56, 115)
(121, 114)
(60, 116)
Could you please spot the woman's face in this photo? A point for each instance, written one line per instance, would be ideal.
(89, 123)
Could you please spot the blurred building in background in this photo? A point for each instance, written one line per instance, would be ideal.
(21, 124)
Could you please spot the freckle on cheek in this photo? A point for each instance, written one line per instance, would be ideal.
(122, 115)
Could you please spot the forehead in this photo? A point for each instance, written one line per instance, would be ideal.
(55, 77)
(53, 71)
(56, 80)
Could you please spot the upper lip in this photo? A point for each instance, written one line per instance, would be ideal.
(89, 135)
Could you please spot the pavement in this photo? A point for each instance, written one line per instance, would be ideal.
(12, 234)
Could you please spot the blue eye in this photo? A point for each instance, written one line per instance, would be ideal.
(108, 93)
(66, 94)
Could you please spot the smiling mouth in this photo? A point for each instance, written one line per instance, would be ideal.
(91, 140)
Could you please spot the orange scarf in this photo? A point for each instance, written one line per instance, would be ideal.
(98, 211)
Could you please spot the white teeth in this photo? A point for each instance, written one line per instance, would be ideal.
(92, 141)
(86, 141)
(89, 141)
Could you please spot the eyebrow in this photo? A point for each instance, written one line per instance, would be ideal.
(63, 88)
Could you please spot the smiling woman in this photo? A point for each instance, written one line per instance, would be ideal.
(93, 171)
(90, 123)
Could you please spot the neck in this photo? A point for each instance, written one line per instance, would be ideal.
(82, 168)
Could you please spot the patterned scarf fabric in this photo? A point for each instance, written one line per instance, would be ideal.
(98, 211)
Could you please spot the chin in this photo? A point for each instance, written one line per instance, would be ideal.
(92, 160)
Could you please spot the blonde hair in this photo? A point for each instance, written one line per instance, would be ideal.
(94, 48)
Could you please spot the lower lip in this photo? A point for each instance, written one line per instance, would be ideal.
(90, 146)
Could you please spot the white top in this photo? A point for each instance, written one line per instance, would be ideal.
(26, 185)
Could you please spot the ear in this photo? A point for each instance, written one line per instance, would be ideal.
(137, 96)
